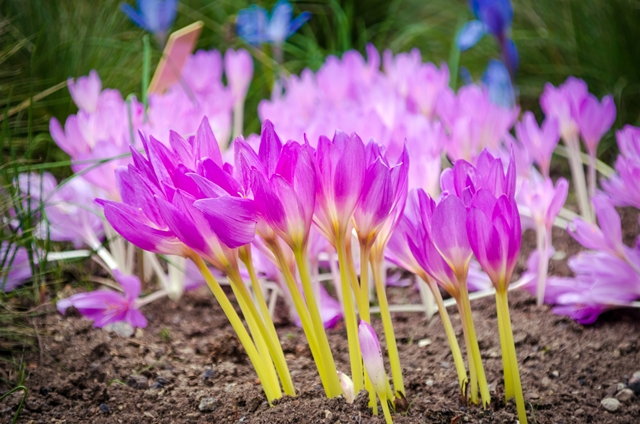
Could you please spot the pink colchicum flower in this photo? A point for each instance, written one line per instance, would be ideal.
(608, 236)
(543, 200)
(540, 142)
(286, 199)
(106, 307)
(624, 186)
(86, 91)
(372, 356)
(14, 266)
(563, 103)
(238, 67)
(595, 119)
(340, 176)
(495, 235)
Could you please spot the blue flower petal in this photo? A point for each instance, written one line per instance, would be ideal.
(511, 56)
(136, 17)
(300, 20)
(278, 29)
(252, 24)
(167, 13)
(470, 34)
(498, 81)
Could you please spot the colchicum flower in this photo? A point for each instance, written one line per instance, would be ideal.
(541, 141)
(154, 16)
(14, 266)
(494, 17)
(106, 307)
(624, 186)
(373, 363)
(256, 27)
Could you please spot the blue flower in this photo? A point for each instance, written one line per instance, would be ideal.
(494, 17)
(498, 81)
(255, 26)
(154, 16)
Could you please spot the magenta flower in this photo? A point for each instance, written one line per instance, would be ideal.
(85, 92)
(543, 199)
(606, 237)
(238, 67)
(107, 306)
(372, 356)
(286, 199)
(341, 166)
(14, 266)
(495, 235)
(383, 196)
(539, 141)
(595, 119)
(563, 103)
(624, 186)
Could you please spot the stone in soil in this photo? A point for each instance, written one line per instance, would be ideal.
(634, 382)
(625, 395)
(138, 382)
(610, 404)
(208, 404)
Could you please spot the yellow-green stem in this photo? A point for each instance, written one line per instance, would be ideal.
(305, 319)
(502, 304)
(385, 408)
(268, 331)
(506, 354)
(451, 335)
(387, 324)
(363, 305)
(473, 376)
(353, 279)
(316, 321)
(237, 325)
(257, 330)
(362, 300)
(473, 341)
(350, 319)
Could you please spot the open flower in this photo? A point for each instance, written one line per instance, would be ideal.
(624, 186)
(14, 266)
(154, 16)
(85, 92)
(107, 306)
(494, 17)
(539, 141)
(255, 26)
(595, 119)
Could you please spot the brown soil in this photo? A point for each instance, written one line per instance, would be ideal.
(189, 353)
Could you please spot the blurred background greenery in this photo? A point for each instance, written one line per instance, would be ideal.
(45, 41)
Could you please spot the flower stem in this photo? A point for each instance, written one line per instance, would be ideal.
(451, 335)
(385, 408)
(305, 320)
(392, 347)
(577, 174)
(543, 263)
(592, 181)
(473, 345)
(316, 320)
(237, 325)
(256, 326)
(350, 319)
(264, 318)
(502, 305)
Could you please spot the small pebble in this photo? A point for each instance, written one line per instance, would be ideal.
(579, 412)
(445, 365)
(545, 382)
(327, 414)
(207, 374)
(621, 386)
(430, 383)
(138, 382)
(610, 404)
(424, 342)
(555, 374)
(208, 404)
(104, 408)
(625, 395)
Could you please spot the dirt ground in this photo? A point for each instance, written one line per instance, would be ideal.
(187, 366)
